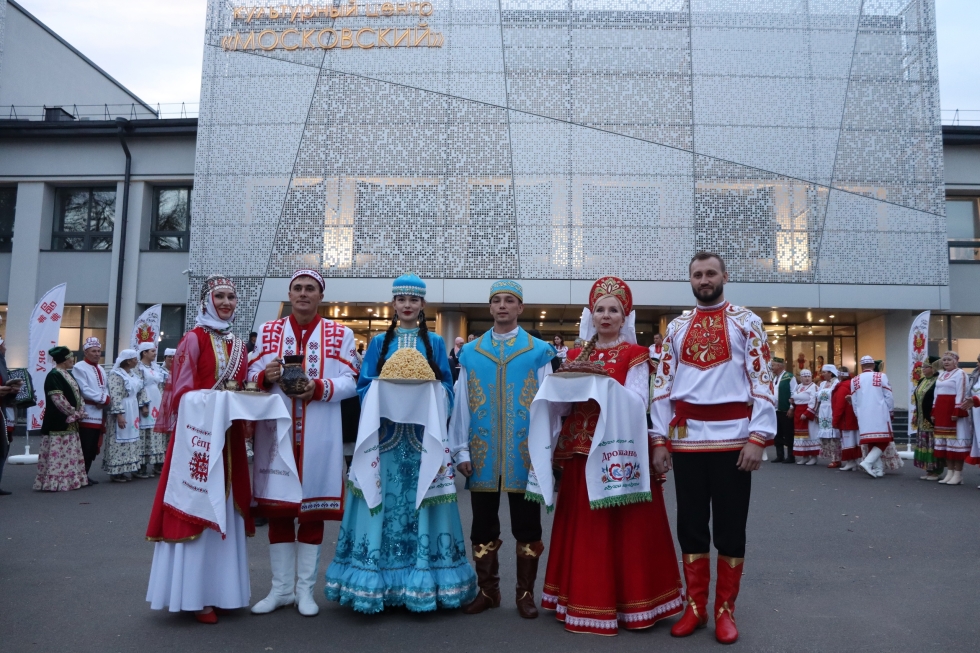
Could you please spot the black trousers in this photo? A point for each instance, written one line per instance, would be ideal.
(89, 438)
(784, 433)
(525, 517)
(4, 448)
(710, 487)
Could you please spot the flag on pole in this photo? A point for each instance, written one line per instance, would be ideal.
(918, 356)
(44, 331)
(147, 327)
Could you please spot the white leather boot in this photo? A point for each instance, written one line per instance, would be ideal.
(868, 463)
(282, 558)
(947, 474)
(955, 479)
(307, 563)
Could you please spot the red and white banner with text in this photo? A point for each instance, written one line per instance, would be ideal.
(45, 327)
(918, 356)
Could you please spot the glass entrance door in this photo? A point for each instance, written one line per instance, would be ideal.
(811, 354)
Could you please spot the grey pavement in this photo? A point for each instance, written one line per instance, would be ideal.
(836, 561)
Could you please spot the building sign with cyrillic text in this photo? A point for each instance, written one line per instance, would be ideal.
(296, 34)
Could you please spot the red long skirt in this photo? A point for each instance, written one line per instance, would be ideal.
(609, 567)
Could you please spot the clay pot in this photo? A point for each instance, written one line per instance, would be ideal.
(293, 380)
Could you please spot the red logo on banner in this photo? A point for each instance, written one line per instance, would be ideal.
(47, 307)
(55, 317)
(41, 319)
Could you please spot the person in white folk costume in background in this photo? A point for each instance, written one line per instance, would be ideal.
(154, 443)
(806, 444)
(873, 403)
(972, 404)
(951, 418)
(123, 448)
(830, 438)
(330, 362)
(94, 386)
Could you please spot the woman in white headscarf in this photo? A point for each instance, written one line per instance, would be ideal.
(123, 453)
(154, 378)
(830, 439)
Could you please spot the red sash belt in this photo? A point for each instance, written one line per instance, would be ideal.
(684, 411)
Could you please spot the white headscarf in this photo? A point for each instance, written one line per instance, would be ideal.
(207, 314)
(124, 355)
(146, 346)
(586, 327)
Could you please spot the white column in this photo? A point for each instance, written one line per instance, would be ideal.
(127, 314)
(450, 324)
(35, 206)
(897, 326)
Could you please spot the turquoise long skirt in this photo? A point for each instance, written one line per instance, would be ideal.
(400, 556)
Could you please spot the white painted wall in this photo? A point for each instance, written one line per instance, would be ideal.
(38, 69)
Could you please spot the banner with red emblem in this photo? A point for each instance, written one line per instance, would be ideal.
(45, 327)
(147, 327)
(918, 356)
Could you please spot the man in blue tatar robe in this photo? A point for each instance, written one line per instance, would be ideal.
(499, 375)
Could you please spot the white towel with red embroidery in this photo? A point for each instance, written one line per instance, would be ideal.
(196, 485)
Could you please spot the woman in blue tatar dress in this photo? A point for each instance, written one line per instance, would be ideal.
(401, 556)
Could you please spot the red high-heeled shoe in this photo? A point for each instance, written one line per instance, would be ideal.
(207, 617)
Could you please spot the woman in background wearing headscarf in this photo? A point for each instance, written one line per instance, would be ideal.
(194, 567)
(925, 395)
(123, 452)
(830, 445)
(154, 442)
(60, 463)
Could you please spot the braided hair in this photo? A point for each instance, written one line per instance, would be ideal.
(389, 336)
(423, 334)
(587, 349)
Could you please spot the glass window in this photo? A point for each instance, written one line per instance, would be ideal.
(8, 202)
(3, 321)
(171, 219)
(81, 322)
(171, 327)
(966, 338)
(84, 219)
(938, 335)
(961, 218)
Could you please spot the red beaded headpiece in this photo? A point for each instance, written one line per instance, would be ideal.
(611, 286)
(214, 282)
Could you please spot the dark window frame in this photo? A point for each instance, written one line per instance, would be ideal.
(965, 243)
(59, 235)
(7, 236)
(157, 235)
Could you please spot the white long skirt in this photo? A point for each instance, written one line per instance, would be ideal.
(208, 571)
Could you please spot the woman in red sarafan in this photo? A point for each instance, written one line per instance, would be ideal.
(613, 566)
(194, 567)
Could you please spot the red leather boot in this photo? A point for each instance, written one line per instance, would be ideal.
(726, 591)
(697, 575)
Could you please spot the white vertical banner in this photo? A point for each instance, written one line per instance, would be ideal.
(918, 356)
(147, 327)
(45, 327)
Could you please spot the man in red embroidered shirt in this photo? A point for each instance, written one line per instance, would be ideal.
(712, 412)
(329, 360)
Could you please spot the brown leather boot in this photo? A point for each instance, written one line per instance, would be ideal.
(528, 555)
(487, 576)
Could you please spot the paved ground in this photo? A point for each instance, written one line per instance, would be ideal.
(836, 561)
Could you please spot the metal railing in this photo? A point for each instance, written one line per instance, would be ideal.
(961, 116)
(132, 111)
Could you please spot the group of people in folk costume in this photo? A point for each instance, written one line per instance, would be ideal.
(511, 430)
(946, 417)
(87, 408)
(842, 419)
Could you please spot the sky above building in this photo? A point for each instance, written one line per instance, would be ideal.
(155, 48)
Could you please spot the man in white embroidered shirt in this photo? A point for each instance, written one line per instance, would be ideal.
(712, 412)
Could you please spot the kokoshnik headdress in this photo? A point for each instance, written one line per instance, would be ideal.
(609, 287)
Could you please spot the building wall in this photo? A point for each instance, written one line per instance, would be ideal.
(57, 75)
(563, 145)
(39, 167)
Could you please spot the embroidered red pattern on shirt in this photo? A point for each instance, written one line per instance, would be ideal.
(706, 344)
